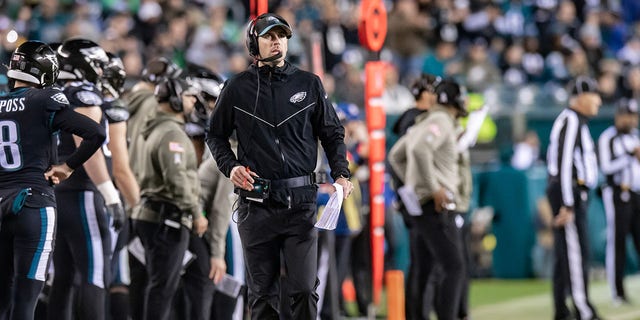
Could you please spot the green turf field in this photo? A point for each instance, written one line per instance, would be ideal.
(531, 300)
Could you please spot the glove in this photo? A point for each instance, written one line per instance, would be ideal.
(116, 212)
(113, 203)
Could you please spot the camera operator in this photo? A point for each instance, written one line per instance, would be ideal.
(278, 113)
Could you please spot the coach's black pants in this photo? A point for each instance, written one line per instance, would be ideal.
(26, 242)
(420, 267)
(265, 233)
(164, 248)
(571, 266)
(441, 237)
(196, 283)
(623, 217)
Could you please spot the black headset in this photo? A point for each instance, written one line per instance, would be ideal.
(170, 91)
(251, 39)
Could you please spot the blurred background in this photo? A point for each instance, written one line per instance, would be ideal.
(515, 57)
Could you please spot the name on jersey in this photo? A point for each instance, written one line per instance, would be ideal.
(12, 105)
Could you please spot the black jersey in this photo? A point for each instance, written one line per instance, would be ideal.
(80, 94)
(26, 148)
(113, 111)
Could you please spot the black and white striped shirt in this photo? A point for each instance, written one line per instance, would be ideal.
(571, 157)
(617, 162)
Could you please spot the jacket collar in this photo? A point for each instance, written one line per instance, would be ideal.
(275, 73)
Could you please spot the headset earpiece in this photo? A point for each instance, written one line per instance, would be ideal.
(166, 91)
(252, 39)
(175, 97)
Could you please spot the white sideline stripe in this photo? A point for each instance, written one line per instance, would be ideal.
(540, 306)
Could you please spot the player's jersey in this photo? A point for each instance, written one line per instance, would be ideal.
(114, 111)
(80, 94)
(26, 147)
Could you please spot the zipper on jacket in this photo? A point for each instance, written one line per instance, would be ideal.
(277, 140)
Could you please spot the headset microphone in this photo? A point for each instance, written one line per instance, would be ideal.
(272, 58)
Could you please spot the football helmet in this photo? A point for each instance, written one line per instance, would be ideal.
(113, 76)
(34, 62)
(159, 70)
(81, 59)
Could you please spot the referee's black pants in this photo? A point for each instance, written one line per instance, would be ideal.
(164, 249)
(265, 232)
(622, 209)
(571, 266)
(442, 240)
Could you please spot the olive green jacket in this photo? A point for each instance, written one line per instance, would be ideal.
(168, 168)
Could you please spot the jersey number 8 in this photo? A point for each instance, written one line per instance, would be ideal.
(9, 148)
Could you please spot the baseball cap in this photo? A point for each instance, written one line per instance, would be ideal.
(268, 21)
(584, 84)
(627, 106)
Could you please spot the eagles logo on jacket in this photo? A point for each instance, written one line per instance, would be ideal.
(279, 115)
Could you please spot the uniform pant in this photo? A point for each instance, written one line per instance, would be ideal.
(26, 242)
(441, 237)
(571, 266)
(419, 270)
(265, 233)
(623, 217)
(196, 283)
(83, 252)
(164, 248)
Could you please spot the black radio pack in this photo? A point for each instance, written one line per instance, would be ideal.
(260, 190)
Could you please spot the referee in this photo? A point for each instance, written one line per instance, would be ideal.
(572, 168)
(619, 149)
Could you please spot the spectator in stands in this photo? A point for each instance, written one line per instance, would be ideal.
(513, 72)
(436, 62)
(408, 28)
(396, 98)
(631, 83)
(478, 70)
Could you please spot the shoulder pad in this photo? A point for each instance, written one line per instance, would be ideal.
(115, 112)
(88, 98)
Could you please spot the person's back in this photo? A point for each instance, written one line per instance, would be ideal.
(25, 115)
(29, 115)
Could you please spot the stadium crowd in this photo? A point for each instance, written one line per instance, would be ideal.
(483, 45)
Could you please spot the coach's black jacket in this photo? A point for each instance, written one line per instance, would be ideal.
(278, 115)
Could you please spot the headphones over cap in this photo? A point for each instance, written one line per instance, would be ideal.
(170, 90)
(261, 25)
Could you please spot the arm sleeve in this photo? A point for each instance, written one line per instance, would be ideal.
(608, 163)
(92, 134)
(181, 181)
(398, 158)
(420, 158)
(567, 145)
(331, 134)
(216, 201)
(219, 130)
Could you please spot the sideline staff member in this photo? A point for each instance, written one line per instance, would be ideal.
(169, 191)
(278, 112)
(426, 160)
(619, 151)
(572, 168)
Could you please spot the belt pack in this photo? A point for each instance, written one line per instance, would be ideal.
(166, 209)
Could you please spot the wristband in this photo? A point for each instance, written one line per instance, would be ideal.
(109, 192)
